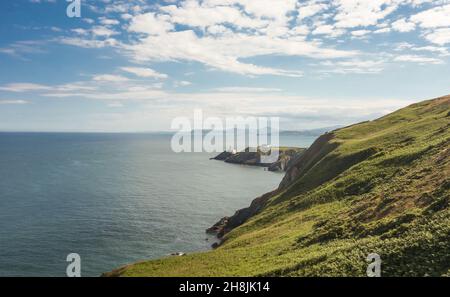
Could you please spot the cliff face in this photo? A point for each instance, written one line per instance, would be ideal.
(308, 159)
(376, 187)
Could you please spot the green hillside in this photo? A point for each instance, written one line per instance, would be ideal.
(375, 187)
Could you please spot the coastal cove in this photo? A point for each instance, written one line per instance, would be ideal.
(114, 199)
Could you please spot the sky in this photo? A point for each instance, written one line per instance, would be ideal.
(134, 66)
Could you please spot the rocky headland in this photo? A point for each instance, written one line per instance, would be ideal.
(287, 156)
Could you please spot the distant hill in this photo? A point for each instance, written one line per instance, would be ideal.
(375, 187)
(312, 132)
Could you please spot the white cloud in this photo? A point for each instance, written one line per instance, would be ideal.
(403, 26)
(225, 52)
(133, 94)
(433, 17)
(102, 87)
(12, 102)
(183, 83)
(443, 51)
(108, 22)
(359, 33)
(417, 59)
(23, 87)
(402, 46)
(323, 29)
(355, 13)
(310, 9)
(151, 24)
(353, 66)
(218, 30)
(80, 31)
(193, 14)
(382, 30)
(88, 43)
(43, 1)
(144, 72)
(329, 30)
(439, 36)
(270, 34)
(103, 31)
(110, 78)
(23, 48)
(88, 20)
(94, 37)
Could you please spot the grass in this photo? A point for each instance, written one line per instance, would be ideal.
(379, 186)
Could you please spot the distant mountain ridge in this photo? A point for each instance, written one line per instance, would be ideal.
(311, 132)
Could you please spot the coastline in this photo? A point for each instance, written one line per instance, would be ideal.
(340, 202)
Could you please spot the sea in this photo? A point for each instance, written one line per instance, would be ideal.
(113, 199)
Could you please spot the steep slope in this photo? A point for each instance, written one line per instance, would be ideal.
(375, 187)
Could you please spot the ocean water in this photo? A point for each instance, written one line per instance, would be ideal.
(112, 198)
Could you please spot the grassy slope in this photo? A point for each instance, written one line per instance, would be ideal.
(384, 188)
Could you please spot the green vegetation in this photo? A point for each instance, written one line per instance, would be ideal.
(375, 187)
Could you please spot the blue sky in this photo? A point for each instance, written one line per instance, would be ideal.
(136, 65)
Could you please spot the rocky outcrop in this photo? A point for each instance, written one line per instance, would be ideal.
(246, 157)
(222, 156)
(252, 158)
(219, 227)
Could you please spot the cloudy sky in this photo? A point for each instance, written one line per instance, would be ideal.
(135, 65)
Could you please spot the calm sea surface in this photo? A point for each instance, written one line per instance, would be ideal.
(112, 198)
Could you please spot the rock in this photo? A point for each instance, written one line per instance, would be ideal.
(179, 254)
(222, 156)
(217, 228)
